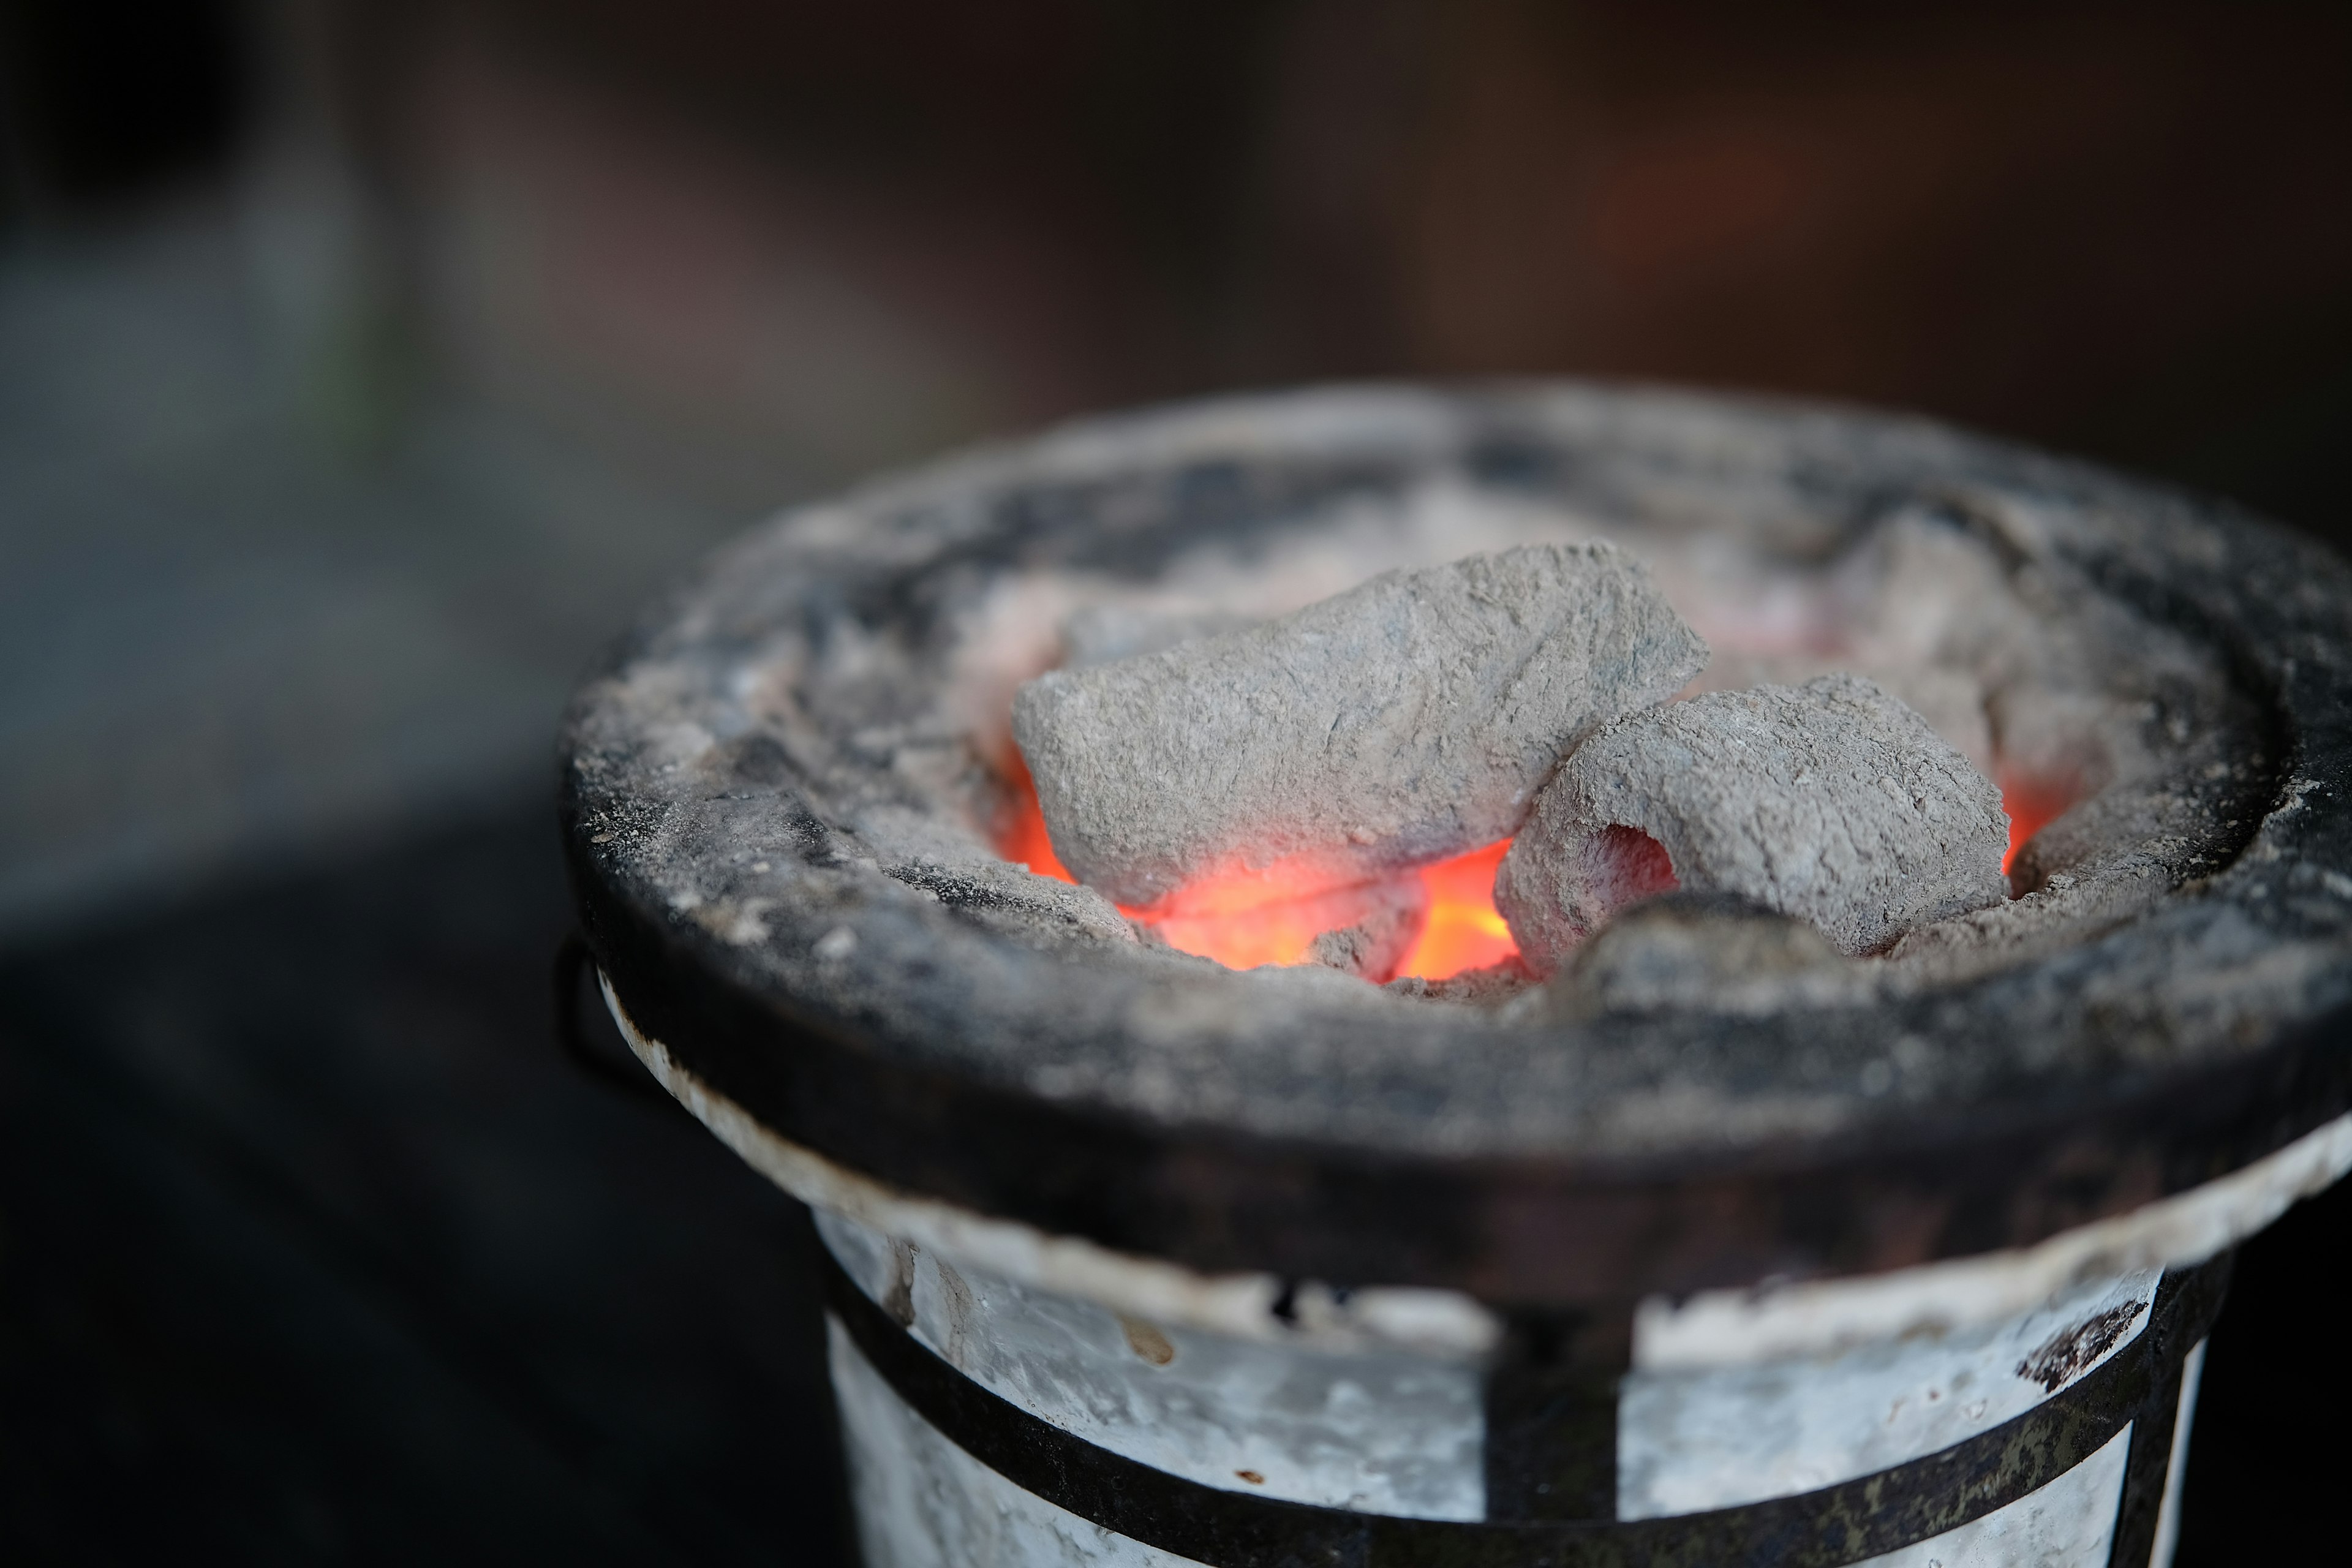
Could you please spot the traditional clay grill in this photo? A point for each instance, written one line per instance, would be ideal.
(1090, 1192)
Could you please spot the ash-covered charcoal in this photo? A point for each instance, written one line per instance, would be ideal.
(1408, 719)
(1953, 702)
(1830, 802)
(1720, 952)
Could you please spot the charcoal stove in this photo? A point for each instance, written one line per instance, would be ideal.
(1703, 1249)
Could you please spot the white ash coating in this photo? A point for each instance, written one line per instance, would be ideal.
(1830, 803)
(1410, 719)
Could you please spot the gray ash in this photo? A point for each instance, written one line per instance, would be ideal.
(1409, 720)
(1828, 801)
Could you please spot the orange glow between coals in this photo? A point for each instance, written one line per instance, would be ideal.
(1245, 921)
(2032, 805)
(1266, 931)
(1024, 839)
(1466, 931)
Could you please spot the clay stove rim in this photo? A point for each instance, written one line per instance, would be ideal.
(2026, 1156)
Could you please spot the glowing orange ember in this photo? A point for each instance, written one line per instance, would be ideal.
(2032, 805)
(1024, 839)
(1270, 931)
(1465, 931)
(1245, 921)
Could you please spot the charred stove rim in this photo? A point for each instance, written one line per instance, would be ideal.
(1563, 1229)
(1973, 1176)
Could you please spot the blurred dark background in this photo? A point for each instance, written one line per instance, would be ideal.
(365, 363)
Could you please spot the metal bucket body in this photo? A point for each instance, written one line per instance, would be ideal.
(2055, 1434)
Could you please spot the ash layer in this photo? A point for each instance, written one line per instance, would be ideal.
(1408, 719)
(1830, 802)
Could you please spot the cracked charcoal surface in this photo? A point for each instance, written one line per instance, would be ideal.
(1830, 802)
(1405, 721)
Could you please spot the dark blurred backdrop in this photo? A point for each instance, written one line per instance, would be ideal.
(363, 362)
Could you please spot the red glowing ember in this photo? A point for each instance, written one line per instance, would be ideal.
(1465, 931)
(1242, 922)
(1023, 838)
(2032, 805)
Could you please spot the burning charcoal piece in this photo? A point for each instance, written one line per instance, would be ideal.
(1408, 719)
(1828, 801)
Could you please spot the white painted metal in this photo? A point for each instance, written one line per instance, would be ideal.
(922, 1502)
(2167, 1518)
(1694, 1439)
(2070, 1523)
(1378, 1431)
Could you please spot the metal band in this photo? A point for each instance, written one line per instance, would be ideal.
(2174, 1331)
(1551, 1413)
(1825, 1528)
